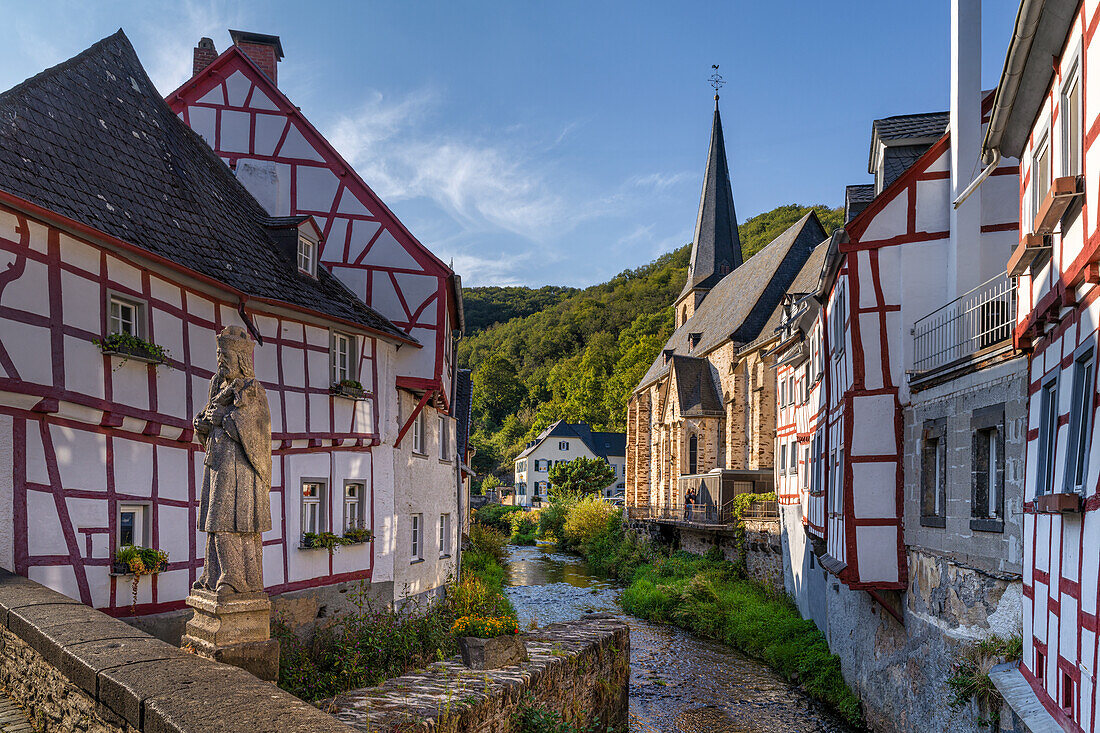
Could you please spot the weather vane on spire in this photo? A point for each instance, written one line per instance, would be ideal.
(716, 81)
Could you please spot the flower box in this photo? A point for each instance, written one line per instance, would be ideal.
(1057, 503)
(352, 391)
(131, 347)
(499, 651)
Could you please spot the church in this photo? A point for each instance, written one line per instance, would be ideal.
(706, 406)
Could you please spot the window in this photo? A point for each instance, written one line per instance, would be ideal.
(1040, 667)
(839, 316)
(444, 535)
(307, 256)
(1067, 694)
(1080, 423)
(131, 525)
(353, 505)
(540, 488)
(126, 316)
(1048, 435)
(693, 454)
(1040, 176)
(1071, 123)
(417, 538)
(782, 458)
(521, 488)
(444, 440)
(805, 474)
(933, 473)
(988, 469)
(343, 357)
(563, 445)
(313, 493)
(418, 433)
(783, 393)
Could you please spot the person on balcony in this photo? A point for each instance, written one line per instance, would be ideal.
(689, 503)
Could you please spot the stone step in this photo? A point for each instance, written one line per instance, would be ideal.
(13, 719)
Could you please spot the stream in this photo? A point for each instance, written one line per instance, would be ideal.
(679, 683)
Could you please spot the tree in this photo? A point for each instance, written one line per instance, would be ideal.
(486, 486)
(581, 476)
(498, 390)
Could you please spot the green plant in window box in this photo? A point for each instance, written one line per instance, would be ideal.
(129, 346)
(349, 388)
(138, 561)
(356, 535)
(328, 540)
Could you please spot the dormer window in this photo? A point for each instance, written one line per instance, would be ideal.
(694, 339)
(307, 256)
(668, 355)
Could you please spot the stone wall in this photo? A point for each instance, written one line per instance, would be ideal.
(579, 669)
(763, 548)
(75, 669)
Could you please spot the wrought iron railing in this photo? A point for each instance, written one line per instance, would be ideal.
(975, 321)
(705, 513)
(762, 511)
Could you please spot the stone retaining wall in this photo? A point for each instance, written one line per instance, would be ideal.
(763, 548)
(579, 669)
(75, 669)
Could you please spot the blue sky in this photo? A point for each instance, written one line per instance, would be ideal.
(561, 142)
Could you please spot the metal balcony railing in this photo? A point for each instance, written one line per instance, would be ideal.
(705, 513)
(975, 321)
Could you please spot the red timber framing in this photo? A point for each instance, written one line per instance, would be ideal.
(1057, 322)
(248, 121)
(90, 432)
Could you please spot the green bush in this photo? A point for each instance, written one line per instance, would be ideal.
(552, 518)
(525, 528)
(587, 519)
(496, 516)
(488, 541)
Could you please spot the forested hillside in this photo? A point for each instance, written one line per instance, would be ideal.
(552, 353)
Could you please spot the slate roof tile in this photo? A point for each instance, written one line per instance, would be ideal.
(92, 140)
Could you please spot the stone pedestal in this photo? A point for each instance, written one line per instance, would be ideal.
(499, 651)
(234, 628)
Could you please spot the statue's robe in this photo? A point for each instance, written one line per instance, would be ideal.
(237, 480)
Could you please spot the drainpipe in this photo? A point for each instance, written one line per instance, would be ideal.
(996, 155)
(456, 335)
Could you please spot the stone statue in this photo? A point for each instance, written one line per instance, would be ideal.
(232, 616)
(235, 506)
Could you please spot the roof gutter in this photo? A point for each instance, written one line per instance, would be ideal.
(996, 160)
(1023, 34)
(91, 232)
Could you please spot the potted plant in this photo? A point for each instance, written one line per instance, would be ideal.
(327, 540)
(489, 642)
(138, 561)
(349, 388)
(356, 535)
(129, 346)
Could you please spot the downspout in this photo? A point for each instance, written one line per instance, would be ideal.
(981, 177)
(882, 602)
(456, 335)
(248, 321)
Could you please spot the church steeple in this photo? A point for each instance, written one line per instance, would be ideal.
(716, 249)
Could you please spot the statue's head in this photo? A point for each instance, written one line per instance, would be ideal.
(235, 353)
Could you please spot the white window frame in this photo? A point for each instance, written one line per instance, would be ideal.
(1039, 190)
(307, 256)
(563, 445)
(343, 344)
(1080, 421)
(1048, 436)
(839, 316)
(354, 505)
(1071, 165)
(141, 515)
(444, 439)
(418, 433)
(444, 535)
(313, 506)
(417, 549)
(114, 323)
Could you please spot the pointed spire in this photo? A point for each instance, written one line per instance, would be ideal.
(716, 249)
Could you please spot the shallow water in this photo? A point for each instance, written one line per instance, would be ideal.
(679, 683)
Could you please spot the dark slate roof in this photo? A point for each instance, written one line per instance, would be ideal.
(601, 444)
(716, 248)
(463, 409)
(898, 127)
(92, 140)
(740, 305)
(898, 158)
(696, 387)
(805, 282)
(856, 199)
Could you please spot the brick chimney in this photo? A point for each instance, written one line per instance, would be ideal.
(205, 53)
(264, 50)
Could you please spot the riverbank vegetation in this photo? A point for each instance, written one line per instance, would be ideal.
(704, 594)
(369, 645)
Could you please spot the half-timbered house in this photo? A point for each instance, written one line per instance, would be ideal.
(234, 102)
(127, 244)
(899, 526)
(1041, 115)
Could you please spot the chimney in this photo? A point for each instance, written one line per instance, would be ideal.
(205, 53)
(964, 262)
(264, 50)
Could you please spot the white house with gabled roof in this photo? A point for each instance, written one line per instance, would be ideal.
(563, 442)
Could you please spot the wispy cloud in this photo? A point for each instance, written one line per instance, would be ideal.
(659, 181)
(169, 60)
